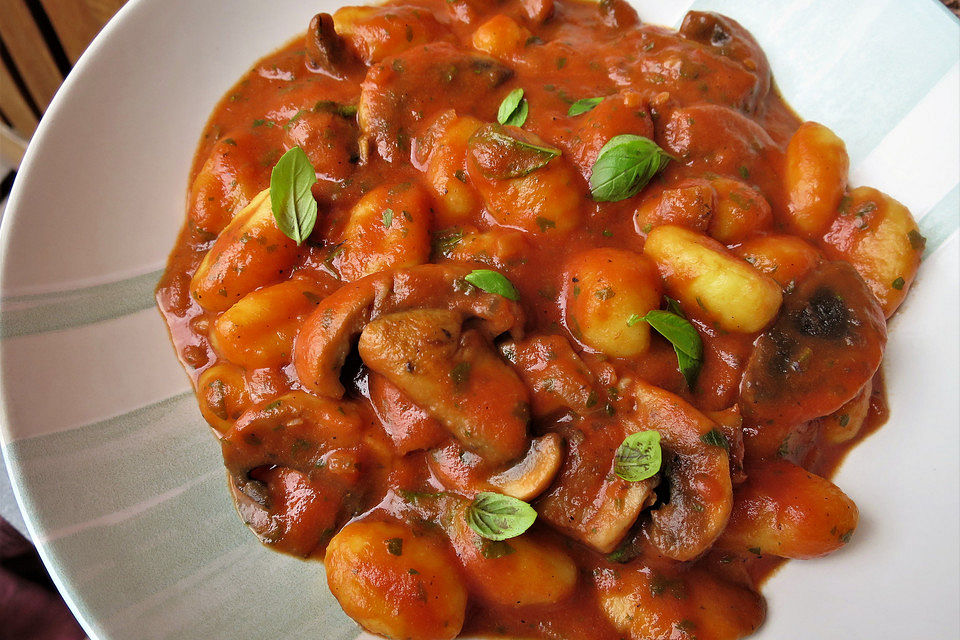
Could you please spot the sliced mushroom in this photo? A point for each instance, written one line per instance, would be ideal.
(328, 333)
(298, 449)
(326, 51)
(408, 426)
(823, 348)
(730, 39)
(618, 14)
(454, 375)
(698, 468)
(588, 501)
(458, 470)
(557, 377)
(533, 474)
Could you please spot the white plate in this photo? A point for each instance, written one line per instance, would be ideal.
(119, 480)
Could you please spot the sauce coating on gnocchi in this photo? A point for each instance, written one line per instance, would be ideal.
(532, 320)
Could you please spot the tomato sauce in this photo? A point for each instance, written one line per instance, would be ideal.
(362, 377)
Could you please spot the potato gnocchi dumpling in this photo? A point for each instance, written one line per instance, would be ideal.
(607, 292)
(388, 227)
(533, 320)
(426, 598)
(702, 273)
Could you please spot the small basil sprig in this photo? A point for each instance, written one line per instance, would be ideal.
(583, 105)
(492, 282)
(715, 438)
(514, 109)
(684, 338)
(291, 198)
(624, 166)
(495, 516)
(501, 155)
(638, 457)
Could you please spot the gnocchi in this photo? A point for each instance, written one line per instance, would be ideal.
(702, 273)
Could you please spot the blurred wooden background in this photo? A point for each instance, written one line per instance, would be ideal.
(40, 41)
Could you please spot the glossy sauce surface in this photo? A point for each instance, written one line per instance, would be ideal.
(451, 390)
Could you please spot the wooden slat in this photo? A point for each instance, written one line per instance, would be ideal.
(15, 109)
(29, 52)
(12, 147)
(77, 22)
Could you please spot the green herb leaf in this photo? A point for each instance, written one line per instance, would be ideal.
(387, 218)
(624, 166)
(684, 338)
(445, 241)
(498, 517)
(342, 110)
(917, 241)
(634, 319)
(545, 223)
(460, 374)
(673, 306)
(716, 439)
(898, 284)
(395, 546)
(501, 155)
(294, 207)
(493, 549)
(514, 109)
(583, 105)
(492, 282)
(638, 457)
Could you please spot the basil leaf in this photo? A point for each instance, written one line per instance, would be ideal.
(294, 208)
(716, 439)
(395, 546)
(498, 517)
(501, 155)
(673, 306)
(446, 241)
(624, 166)
(684, 338)
(689, 367)
(514, 109)
(583, 105)
(638, 457)
(492, 282)
(493, 549)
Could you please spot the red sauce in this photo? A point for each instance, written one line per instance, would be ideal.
(452, 386)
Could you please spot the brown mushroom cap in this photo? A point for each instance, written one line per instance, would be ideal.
(328, 333)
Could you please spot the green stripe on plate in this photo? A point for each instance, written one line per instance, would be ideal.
(134, 517)
(76, 307)
(941, 221)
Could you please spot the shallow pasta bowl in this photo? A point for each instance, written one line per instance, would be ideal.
(120, 482)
